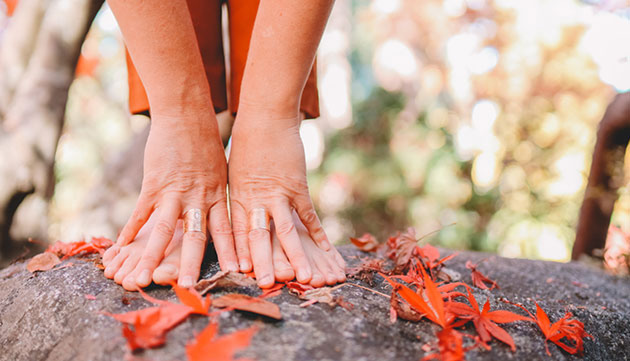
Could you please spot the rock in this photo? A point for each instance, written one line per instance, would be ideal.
(47, 316)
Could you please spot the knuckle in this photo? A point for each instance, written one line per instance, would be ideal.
(196, 238)
(150, 259)
(285, 228)
(164, 228)
(222, 229)
(310, 217)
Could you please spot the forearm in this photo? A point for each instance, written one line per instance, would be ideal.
(282, 48)
(162, 44)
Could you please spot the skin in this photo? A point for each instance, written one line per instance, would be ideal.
(185, 166)
(328, 266)
(267, 167)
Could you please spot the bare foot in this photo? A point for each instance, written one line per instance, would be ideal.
(120, 262)
(328, 266)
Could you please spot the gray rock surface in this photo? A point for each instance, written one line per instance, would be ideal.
(46, 316)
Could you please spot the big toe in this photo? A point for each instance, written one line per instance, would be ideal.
(166, 273)
(109, 254)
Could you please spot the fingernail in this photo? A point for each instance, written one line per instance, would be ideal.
(303, 275)
(186, 282)
(144, 277)
(265, 280)
(245, 266)
(169, 269)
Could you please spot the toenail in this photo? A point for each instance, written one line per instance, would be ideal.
(145, 277)
(231, 266)
(186, 281)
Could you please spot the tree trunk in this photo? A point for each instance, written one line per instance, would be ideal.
(35, 112)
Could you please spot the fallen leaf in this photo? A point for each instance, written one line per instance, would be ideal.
(402, 309)
(207, 346)
(322, 294)
(192, 298)
(65, 265)
(366, 243)
(298, 289)
(150, 324)
(250, 304)
(224, 279)
(273, 291)
(479, 279)
(485, 321)
(450, 346)
(42, 262)
(568, 333)
(367, 269)
(69, 249)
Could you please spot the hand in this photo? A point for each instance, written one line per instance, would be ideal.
(267, 170)
(184, 168)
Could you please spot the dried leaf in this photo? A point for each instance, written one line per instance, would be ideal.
(250, 304)
(402, 309)
(208, 347)
(366, 243)
(273, 291)
(479, 279)
(224, 279)
(367, 269)
(42, 262)
(298, 289)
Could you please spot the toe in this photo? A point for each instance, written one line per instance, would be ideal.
(321, 263)
(112, 268)
(281, 266)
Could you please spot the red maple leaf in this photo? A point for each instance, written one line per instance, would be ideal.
(450, 346)
(485, 321)
(208, 347)
(478, 278)
(69, 249)
(151, 324)
(366, 243)
(568, 333)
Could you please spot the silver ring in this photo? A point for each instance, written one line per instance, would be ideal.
(194, 220)
(259, 219)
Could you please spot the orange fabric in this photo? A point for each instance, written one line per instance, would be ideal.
(206, 17)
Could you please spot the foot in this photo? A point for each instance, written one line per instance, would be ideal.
(120, 262)
(328, 267)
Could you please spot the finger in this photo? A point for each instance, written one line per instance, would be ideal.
(127, 267)
(260, 246)
(281, 267)
(140, 215)
(193, 249)
(115, 264)
(221, 231)
(110, 253)
(338, 273)
(161, 235)
(241, 239)
(168, 270)
(306, 212)
(290, 241)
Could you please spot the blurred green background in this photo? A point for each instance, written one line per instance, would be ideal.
(473, 112)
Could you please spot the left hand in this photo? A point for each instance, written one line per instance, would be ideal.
(267, 170)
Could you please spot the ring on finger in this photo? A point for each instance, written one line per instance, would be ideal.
(194, 220)
(259, 219)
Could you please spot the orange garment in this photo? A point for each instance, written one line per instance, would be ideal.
(206, 17)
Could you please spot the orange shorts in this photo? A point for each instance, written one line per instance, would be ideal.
(206, 17)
